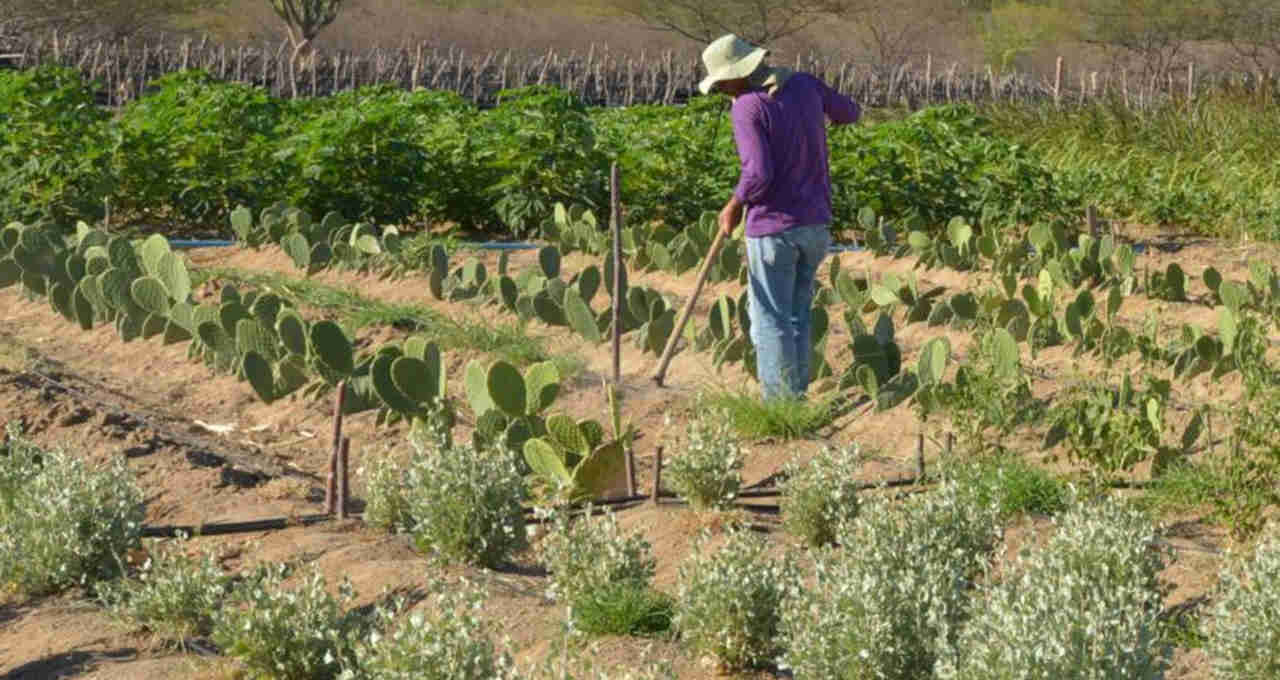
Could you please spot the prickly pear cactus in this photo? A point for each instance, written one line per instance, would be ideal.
(331, 347)
(506, 389)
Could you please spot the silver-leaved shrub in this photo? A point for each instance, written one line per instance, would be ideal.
(820, 494)
(729, 599)
(888, 601)
(459, 503)
(296, 632)
(707, 470)
(1244, 638)
(1083, 606)
(173, 594)
(589, 554)
(451, 642)
(65, 522)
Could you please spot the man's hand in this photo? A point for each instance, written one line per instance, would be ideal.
(731, 216)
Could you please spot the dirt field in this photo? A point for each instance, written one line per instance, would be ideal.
(205, 450)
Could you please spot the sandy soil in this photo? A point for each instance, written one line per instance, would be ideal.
(104, 399)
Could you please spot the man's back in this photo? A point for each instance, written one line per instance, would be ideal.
(782, 142)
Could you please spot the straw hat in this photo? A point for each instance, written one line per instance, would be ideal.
(729, 58)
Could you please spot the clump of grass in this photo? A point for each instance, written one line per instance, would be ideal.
(1012, 485)
(782, 418)
(624, 609)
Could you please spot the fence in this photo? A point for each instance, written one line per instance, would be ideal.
(598, 76)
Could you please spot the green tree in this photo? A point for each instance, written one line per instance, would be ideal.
(304, 19)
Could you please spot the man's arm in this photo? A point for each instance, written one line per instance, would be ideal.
(753, 151)
(839, 108)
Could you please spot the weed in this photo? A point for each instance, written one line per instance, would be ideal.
(1244, 638)
(755, 418)
(708, 470)
(820, 495)
(624, 609)
(66, 522)
(888, 602)
(1012, 485)
(729, 600)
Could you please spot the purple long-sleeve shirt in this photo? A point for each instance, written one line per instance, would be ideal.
(782, 143)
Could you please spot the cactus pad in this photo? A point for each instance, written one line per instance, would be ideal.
(549, 261)
(60, 300)
(298, 249)
(506, 388)
(252, 336)
(332, 347)
(153, 325)
(474, 380)
(545, 461)
(10, 273)
(258, 372)
(542, 386)
(579, 316)
(601, 472)
(149, 294)
(242, 223)
(292, 331)
(413, 379)
(547, 310)
(82, 308)
(384, 385)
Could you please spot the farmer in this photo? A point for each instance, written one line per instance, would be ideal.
(785, 191)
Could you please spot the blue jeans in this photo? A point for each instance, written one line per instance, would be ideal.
(781, 269)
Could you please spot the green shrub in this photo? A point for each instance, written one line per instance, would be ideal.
(604, 576)
(55, 147)
(386, 489)
(1084, 605)
(172, 595)
(707, 472)
(820, 495)
(453, 643)
(729, 600)
(465, 504)
(298, 633)
(66, 522)
(1244, 638)
(889, 600)
(195, 148)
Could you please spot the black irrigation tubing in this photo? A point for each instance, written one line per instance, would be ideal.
(149, 424)
(223, 528)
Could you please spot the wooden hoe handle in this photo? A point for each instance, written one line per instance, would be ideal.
(676, 332)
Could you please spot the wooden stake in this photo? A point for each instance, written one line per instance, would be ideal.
(1091, 217)
(331, 488)
(920, 457)
(657, 475)
(342, 478)
(630, 457)
(615, 219)
(1057, 83)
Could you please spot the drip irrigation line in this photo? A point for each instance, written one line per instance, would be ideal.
(163, 432)
(223, 528)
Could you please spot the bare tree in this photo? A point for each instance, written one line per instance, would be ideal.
(304, 19)
(758, 21)
(1252, 28)
(892, 32)
(1153, 31)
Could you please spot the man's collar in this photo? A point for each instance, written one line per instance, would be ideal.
(771, 79)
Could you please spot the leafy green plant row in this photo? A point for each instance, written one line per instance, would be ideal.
(193, 148)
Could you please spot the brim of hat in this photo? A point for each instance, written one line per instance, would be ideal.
(743, 68)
